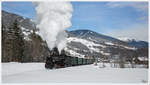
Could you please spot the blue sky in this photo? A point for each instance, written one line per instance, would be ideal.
(117, 19)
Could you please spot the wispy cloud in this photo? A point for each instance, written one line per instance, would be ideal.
(139, 6)
(138, 32)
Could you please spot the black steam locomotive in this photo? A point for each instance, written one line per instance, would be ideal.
(56, 60)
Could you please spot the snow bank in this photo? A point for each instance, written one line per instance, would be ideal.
(36, 73)
(15, 68)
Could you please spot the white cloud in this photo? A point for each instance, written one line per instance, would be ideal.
(139, 6)
(138, 32)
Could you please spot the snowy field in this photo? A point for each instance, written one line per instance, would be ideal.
(36, 73)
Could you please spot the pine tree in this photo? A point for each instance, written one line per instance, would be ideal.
(36, 46)
(7, 44)
(18, 42)
(4, 36)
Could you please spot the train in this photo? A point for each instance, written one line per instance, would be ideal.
(56, 60)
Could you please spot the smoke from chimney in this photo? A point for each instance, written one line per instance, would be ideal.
(52, 19)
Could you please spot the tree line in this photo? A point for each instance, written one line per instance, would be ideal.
(15, 48)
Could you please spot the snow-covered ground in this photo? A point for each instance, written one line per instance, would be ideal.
(87, 43)
(36, 73)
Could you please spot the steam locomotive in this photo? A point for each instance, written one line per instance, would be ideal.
(56, 60)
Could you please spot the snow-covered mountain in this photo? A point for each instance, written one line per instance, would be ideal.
(79, 42)
(138, 44)
(90, 43)
(134, 42)
(94, 36)
(126, 39)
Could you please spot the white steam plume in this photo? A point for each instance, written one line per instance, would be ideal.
(53, 18)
